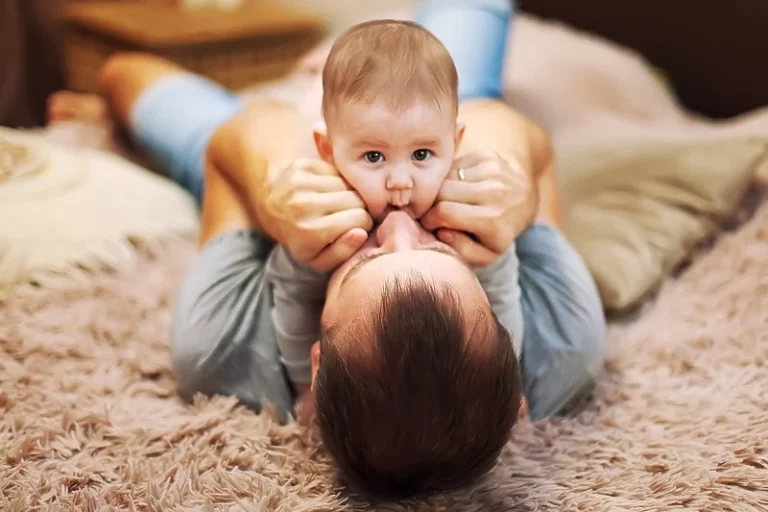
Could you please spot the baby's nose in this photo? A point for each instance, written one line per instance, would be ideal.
(399, 179)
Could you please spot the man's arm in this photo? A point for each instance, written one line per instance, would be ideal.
(299, 296)
(500, 282)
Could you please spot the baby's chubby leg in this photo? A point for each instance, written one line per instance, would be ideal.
(475, 34)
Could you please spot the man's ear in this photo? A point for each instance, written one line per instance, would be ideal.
(314, 354)
(459, 135)
(323, 145)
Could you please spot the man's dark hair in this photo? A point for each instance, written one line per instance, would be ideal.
(419, 398)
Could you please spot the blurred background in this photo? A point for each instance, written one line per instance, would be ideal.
(709, 53)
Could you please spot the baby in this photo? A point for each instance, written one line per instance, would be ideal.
(391, 130)
(394, 141)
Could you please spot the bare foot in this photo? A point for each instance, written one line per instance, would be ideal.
(71, 106)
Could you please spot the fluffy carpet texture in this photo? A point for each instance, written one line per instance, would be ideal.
(90, 421)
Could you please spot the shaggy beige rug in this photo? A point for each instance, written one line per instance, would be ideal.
(89, 419)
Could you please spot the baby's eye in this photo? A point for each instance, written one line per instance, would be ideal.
(373, 157)
(421, 155)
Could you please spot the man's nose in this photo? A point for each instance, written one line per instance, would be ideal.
(398, 232)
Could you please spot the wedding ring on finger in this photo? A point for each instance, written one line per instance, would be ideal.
(462, 177)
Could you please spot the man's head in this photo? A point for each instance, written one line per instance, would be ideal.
(390, 105)
(416, 383)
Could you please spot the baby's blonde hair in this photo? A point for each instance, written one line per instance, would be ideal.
(397, 62)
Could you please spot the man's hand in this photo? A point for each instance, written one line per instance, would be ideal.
(481, 215)
(312, 210)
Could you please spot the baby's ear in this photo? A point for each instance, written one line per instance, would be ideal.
(323, 145)
(459, 134)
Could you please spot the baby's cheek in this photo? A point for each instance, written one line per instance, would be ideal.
(425, 195)
(371, 189)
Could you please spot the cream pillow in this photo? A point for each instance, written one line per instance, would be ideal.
(635, 211)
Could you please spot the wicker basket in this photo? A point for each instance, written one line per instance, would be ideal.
(256, 43)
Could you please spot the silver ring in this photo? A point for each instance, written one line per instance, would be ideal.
(461, 175)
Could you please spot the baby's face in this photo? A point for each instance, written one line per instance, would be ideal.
(394, 159)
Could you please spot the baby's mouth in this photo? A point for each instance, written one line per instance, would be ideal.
(389, 209)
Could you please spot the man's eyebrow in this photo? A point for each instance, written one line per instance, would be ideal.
(357, 266)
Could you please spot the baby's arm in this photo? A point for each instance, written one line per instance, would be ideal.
(299, 295)
(501, 283)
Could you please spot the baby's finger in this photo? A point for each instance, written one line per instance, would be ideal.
(340, 250)
(472, 252)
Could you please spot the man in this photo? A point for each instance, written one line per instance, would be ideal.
(223, 336)
(421, 396)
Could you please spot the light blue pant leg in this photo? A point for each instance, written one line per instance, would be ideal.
(564, 340)
(173, 122)
(475, 33)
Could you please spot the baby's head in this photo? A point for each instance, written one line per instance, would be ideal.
(390, 105)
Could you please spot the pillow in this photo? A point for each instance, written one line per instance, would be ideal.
(634, 211)
(64, 210)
